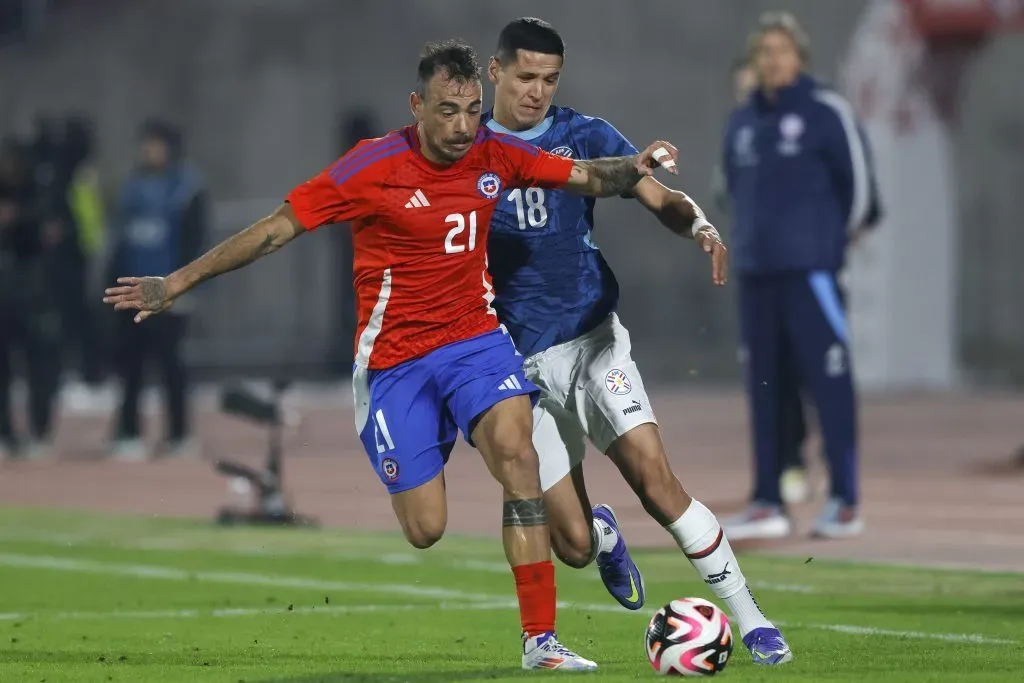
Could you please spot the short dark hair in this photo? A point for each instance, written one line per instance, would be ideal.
(531, 34)
(166, 132)
(454, 59)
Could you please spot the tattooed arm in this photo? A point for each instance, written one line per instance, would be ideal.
(150, 295)
(612, 176)
(606, 177)
(259, 239)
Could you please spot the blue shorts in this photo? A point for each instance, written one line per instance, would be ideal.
(409, 416)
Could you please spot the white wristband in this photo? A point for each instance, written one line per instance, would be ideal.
(700, 221)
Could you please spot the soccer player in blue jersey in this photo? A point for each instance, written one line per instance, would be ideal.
(557, 297)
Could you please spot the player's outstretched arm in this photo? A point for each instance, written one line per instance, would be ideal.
(152, 295)
(680, 214)
(612, 176)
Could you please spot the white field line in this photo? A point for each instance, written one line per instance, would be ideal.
(913, 635)
(481, 564)
(476, 601)
(253, 611)
(168, 543)
(146, 571)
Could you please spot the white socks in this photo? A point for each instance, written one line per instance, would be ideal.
(603, 539)
(700, 537)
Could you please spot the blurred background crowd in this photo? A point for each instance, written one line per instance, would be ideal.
(136, 134)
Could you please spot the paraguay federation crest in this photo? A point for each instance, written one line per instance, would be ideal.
(617, 382)
(489, 185)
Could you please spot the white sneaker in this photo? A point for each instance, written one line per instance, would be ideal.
(793, 485)
(838, 520)
(129, 450)
(543, 651)
(759, 521)
(180, 448)
(37, 449)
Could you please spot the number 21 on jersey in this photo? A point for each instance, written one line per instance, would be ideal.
(530, 207)
(453, 244)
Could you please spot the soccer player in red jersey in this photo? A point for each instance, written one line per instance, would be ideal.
(431, 359)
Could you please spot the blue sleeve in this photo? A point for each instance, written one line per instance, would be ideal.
(601, 139)
(120, 217)
(875, 212)
(846, 157)
(118, 226)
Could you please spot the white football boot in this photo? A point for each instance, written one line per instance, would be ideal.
(543, 651)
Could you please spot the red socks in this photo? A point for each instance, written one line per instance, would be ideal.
(535, 588)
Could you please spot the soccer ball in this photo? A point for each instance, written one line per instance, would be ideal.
(689, 637)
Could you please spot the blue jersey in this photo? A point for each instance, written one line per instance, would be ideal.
(551, 282)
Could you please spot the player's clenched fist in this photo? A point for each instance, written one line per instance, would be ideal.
(658, 153)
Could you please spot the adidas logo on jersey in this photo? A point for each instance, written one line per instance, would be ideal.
(511, 383)
(418, 200)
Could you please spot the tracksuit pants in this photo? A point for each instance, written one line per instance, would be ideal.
(797, 321)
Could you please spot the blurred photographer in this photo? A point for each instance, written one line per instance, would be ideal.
(160, 225)
(29, 315)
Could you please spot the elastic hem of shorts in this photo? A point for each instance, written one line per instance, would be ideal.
(478, 411)
(402, 488)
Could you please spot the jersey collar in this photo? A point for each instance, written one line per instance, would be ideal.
(788, 96)
(528, 134)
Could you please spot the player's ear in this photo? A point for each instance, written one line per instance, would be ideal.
(416, 105)
(493, 67)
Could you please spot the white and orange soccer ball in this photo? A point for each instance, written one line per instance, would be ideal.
(689, 637)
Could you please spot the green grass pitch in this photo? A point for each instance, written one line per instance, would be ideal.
(133, 599)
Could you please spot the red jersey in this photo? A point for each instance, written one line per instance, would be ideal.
(419, 233)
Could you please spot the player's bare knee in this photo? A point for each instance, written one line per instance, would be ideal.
(423, 527)
(421, 540)
(424, 533)
(572, 545)
(504, 435)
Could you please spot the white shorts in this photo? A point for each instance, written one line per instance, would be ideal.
(590, 388)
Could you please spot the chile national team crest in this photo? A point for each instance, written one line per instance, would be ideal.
(617, 382)
(390, 468)
(489, 185)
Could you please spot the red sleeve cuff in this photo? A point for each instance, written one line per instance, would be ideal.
(306, 218)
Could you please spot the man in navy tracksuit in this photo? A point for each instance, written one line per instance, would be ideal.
(798, 170)
(792, 429)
